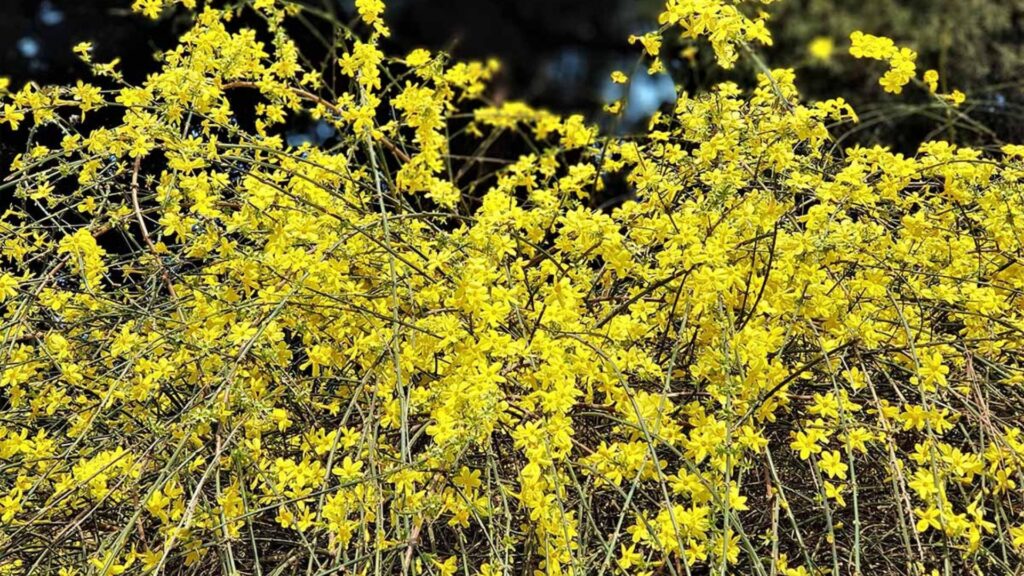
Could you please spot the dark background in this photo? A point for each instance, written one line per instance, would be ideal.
(558, 53)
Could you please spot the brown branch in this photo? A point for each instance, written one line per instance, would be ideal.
(309, 96)
(142, 225)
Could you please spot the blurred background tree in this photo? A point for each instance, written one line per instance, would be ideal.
(977, 46)
(975, 43)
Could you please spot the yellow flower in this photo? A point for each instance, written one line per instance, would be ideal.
(832, 464)
(467, 479)
(280, 418)
(371, 11)
(805, 444)
(928, 518)
(349, 470)
(83, 50)
(835, 492)
(12, 115)
(820, 49)
(956, 98)
(448, 567)
(1017, 536)
(418, 57)
(650, 41)
(614, 107)
(8, 286)
(628, 556)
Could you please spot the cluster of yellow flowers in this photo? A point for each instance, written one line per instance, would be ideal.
(902, 65)
(901, 61)
(721, 22)
(225, 354)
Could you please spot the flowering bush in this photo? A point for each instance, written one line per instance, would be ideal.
(225, 354)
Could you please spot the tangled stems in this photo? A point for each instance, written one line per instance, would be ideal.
(222, 353)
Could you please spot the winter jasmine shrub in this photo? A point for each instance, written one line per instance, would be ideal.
(227, 354)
